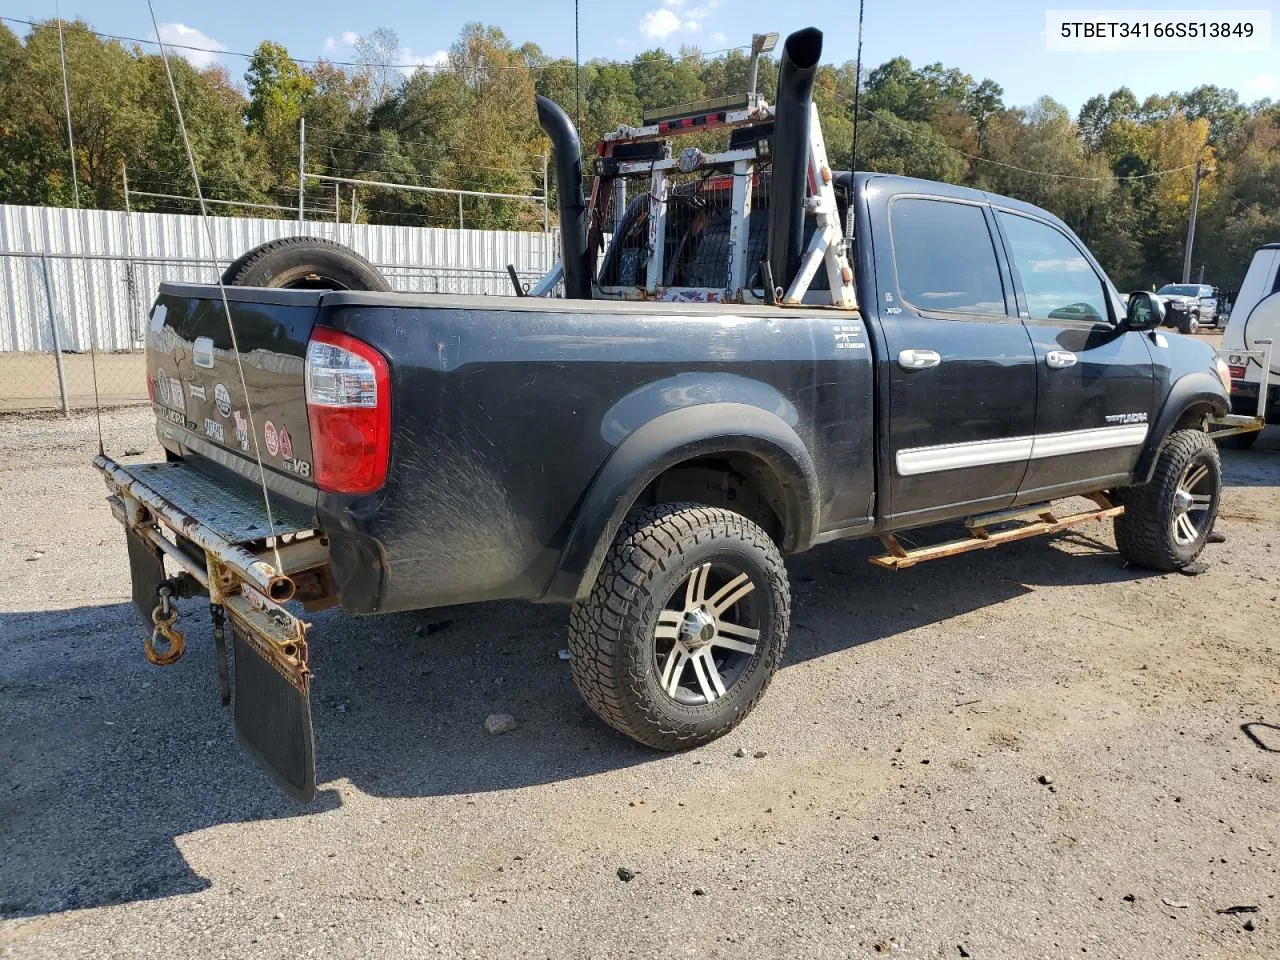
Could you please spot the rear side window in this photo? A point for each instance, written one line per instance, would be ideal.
(944, 257)
(1059, 283)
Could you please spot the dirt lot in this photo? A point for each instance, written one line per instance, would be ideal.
(896, 808)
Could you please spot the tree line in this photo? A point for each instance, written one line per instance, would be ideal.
(469, 122)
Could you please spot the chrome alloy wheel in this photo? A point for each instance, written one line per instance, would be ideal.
(1191, 502)
(707, 634)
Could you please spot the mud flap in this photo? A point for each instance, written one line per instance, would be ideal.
(146, 570)
(273, 717)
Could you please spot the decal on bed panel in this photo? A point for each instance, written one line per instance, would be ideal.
(169, 392)
(848, 336)
(213, 430)
(286, 444)
(242, 430)
(223, 399)
(301, 467)
(1125, 418)
(196, 391)
(273, 439)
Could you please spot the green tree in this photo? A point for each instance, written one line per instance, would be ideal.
(278, 89)
(661, 80)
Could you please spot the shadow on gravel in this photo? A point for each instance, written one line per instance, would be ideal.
(838, 581)
(106, 760)
(1258, 466)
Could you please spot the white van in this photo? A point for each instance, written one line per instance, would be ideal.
(1255, 317)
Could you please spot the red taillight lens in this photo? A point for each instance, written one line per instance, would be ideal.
(349, 409)
(1237, 371)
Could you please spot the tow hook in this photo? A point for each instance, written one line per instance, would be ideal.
(163, 618)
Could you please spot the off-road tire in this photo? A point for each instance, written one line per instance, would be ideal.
(304, 263)
(1144, 532)
(611, 632)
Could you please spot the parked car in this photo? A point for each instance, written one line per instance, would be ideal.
(1255, 317)
(1189, 306)
(715, 392)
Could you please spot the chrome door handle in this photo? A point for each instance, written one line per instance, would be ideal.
(1060, 358)
(918, 359)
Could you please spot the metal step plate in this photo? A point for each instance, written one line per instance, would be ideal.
(232, 514)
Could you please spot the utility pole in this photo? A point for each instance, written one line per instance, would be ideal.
(124, 173)
(302, 163)
(1191, 221)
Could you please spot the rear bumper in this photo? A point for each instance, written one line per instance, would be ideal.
(175, 516)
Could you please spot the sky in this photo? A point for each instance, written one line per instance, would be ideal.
(1000, 39)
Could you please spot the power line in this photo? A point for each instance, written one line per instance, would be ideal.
(379, 153)
(428, 67)
(1000, 163)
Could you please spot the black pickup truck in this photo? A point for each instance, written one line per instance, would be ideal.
(648, 453)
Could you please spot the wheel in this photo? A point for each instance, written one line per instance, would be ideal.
(1240, 441)
(684, 628)
(1166, 522)
(304, 263)
(1193, 325)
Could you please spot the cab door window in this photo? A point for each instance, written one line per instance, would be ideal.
(944, 258)
(1057, 281)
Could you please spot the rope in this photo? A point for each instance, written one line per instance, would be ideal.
(857, 89)
(207, 220)
(75, 184)
(577, 72)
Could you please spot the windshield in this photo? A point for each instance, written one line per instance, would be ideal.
(1180, 290)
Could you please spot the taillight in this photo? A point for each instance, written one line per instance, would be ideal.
(349, 409)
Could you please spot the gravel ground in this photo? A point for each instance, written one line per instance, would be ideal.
(890, 800)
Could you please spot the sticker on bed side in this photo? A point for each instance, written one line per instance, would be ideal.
(273, 439)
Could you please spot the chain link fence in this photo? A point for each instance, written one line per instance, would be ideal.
(72, 326)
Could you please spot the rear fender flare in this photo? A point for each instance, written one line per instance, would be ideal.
(1188, 391)
(666, 441)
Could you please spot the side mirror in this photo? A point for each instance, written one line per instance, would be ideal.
(1146, 311)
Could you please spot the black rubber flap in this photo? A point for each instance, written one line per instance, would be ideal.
(273, 722)
(146, 569)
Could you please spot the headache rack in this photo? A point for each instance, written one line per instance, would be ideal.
(693, 226)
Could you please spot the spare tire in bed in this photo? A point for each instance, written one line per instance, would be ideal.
(304, 263)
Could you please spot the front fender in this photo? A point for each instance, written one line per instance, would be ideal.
(1190, 390)
(660, 444)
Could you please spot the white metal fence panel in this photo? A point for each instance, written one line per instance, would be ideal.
(103, 266)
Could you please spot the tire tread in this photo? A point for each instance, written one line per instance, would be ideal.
(655, 539)
(1141, 532)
